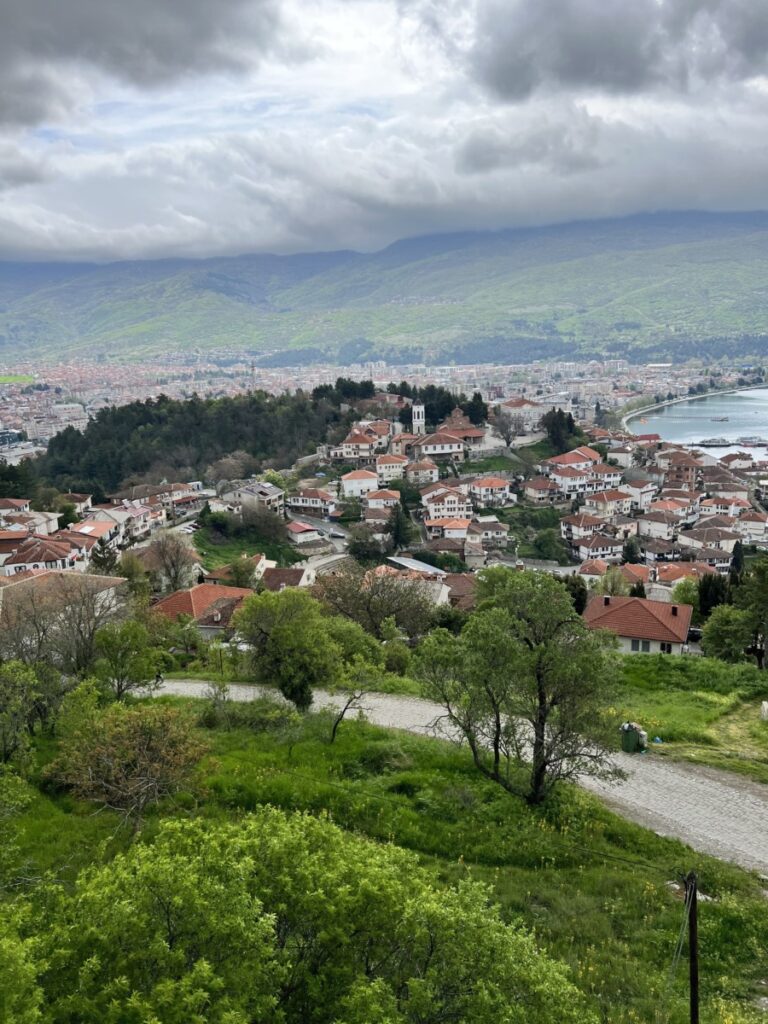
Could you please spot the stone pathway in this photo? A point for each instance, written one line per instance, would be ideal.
(713, 811)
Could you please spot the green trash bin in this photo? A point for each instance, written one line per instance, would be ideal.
(630, 738)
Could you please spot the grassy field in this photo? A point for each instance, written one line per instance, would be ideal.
(216, 551)
(701, 709)
(16, 378)
(493, 463)
(594, 888)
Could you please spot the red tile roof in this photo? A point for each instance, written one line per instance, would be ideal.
(198, 600)
(639, 618)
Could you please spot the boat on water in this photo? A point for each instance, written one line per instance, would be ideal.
(714, 442)
(719, 419)
(751, 442)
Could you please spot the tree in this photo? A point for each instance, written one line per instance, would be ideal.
(127, 661)
(371, 597)
(399, 527)
(125, 758)
(475, 409)
(290, 642)
(287, 918)
(549, 546)
(363, 546)
(614, 583)
(131, 569)
(526, 680)
(241, 572)
(631, 551)
(637, 589)
(737, 559)
(507, 425)
(713, 591)
(175, 560)
(752, 597)
(727, 634)
(67, 515)
(104, 559)
(687, 592)
(577, 588)
(18, 691)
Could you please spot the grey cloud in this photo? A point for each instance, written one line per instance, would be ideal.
(18, 167)
(616, 46)
(566, 145)
(46, 44)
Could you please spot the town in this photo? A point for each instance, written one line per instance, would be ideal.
(632, 521)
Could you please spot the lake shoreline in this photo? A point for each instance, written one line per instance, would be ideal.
(637, 413)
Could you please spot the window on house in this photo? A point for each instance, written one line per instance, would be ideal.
(635, 645)
(646, 646)
(665, 648)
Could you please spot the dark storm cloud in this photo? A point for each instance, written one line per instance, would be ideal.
(616, 46)
(46, 45)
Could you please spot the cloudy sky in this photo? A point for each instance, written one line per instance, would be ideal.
(196, 127)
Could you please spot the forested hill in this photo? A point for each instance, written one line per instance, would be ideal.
(211, 439)
(168, 439)
(651, 286)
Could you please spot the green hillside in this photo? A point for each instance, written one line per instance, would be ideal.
(652, 286)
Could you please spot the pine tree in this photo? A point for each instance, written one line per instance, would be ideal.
(103, 559)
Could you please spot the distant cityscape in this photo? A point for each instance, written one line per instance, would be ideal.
(36, 402)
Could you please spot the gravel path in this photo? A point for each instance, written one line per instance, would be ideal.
(715, 812)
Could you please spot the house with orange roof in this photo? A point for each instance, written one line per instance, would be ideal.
(593, 569)
(425, 471)
(210, 605)
(600, 545)
(450, 528)
(578, 458)
(358, 482)
(440, 446)
(609, 503)
(541, 490)
(642, 626)
(753, 527)
(390, 467)
(490, 491)
(382, 499)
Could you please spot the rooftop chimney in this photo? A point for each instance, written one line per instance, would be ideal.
(606, 600)
(674, 609)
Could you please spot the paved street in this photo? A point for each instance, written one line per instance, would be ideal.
(715, 812)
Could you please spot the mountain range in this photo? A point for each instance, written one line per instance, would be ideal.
(652, 286)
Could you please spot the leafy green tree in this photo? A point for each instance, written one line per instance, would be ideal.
(631, 551)
(241, 572)
(18, 692)
(614, 583)
(475, 409)
(399, 527)
(577, 588)
(526, 680)
(737, 559)
(637, 589)
(548, 545)
(291, 643)
(104, 559)
(126, 662)
(752, 597)
(713, 591)
(687, 592)
(67, 515)
(727, 634)
(410, 496)
(20, 995)
(15, 797)
(288, 918)
(363, 546)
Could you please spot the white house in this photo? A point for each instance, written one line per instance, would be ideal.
(382, 499)
(390, 467)
(300, 533)
(313, 501)
(599, 545)
(440, 446)
(487, 491)
(424, 471)
(359, 482)
(609, 503)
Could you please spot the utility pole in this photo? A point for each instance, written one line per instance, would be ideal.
(691, 897)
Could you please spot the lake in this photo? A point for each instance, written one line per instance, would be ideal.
(740, 414)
